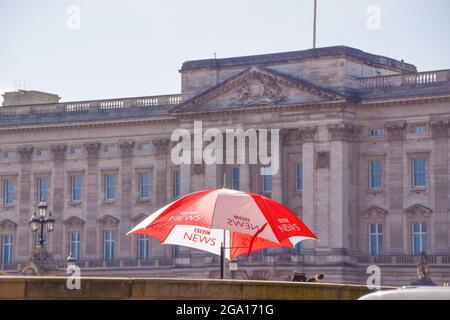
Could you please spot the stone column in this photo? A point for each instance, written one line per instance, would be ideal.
(163, 189)
(339, 189)
(441, 190)
(277, 188)
(59, 156)
(26, 205)
(94, 191)
(307, 136)
(126, 197)
(284, 165)
(394, 187)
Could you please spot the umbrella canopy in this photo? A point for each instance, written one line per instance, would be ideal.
(241, 221)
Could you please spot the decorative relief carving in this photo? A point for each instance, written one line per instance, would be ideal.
(439, 129)
(161, 145)
(322, 160)
(307, 134)
(395, 131)
(374, 213)
(126, 147)
(58, 151)
(25, 153)
(344, 132)
(259, 89)
(418, 212)
(92, 149)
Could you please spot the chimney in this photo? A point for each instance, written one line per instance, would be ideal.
(26, 97)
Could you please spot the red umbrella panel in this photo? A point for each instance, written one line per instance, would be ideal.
(248, 217)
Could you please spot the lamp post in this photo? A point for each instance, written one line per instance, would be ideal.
(40, 221)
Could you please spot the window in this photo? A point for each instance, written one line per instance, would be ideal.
(74, 245)
(298, 248)
(42, 153)
(299, 177)
(267, 180)
(144, 147)
(10, 155)
(375, 181)
(420, 238)
(144, 185)
(235, 181)
(42, 189)
(375, 239)
(8, 192)
(143, 247)
(110, 187)
(110, 150)
(376, 132)
(75, 188)
(418, 173)
(75, 151)
(108, 245)
(7, 248)
(419, 130)
(176, 184)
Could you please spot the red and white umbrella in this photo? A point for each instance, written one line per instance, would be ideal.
(240, 221)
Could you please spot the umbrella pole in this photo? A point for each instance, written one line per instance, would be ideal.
(222, 257)
(222, 262)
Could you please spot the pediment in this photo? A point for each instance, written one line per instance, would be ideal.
(7, 224)
(257, 86)
(74, 222)
(108, 220)
(374, 212)
(418, 211)
(138, 218)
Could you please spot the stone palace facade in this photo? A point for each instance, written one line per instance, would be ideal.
(364, 153)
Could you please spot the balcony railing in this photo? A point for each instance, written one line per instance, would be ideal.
(427, 78)
(88, 106)
(255, 260)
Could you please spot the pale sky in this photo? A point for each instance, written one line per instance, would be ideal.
(136, 47)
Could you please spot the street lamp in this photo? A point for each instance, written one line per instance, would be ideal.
(233, 265)
(40, 220)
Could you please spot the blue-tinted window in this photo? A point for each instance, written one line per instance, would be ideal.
(7, 248)
(376, 239)
(108, 245)
(144, 185)
(143, 247)
(42, 185)
(76, 188)
(418, 173)
(110, 187)
(299, 177)
(420, 238)
(235, 183)
(375, 174)
(74, 245)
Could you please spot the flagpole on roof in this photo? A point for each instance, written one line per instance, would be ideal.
(314, 26)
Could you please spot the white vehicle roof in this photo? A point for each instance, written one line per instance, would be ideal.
(410, 293)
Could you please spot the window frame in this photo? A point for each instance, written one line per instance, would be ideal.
(422, 234)
(378, 236)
